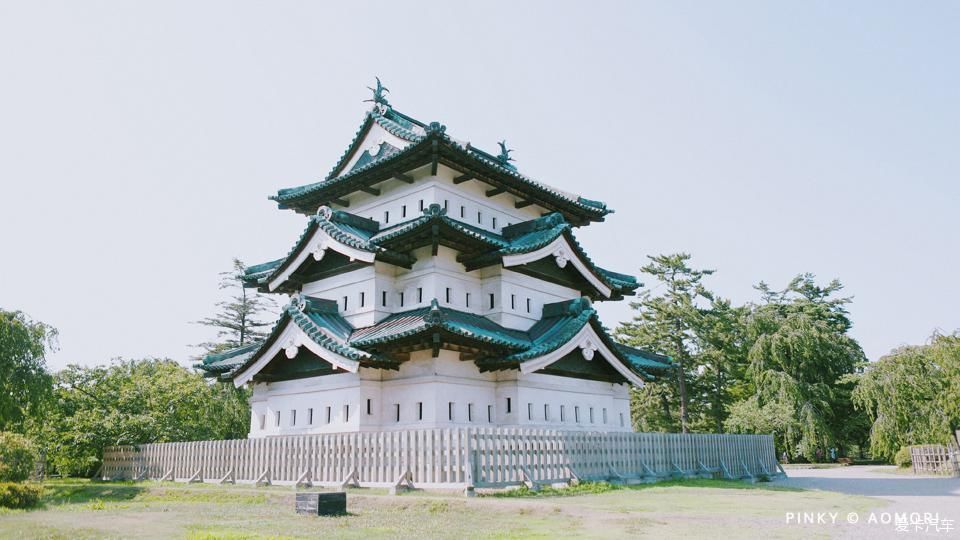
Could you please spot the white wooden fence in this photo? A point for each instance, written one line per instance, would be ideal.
(447, 458)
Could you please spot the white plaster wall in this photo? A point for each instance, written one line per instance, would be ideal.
(513, 293)
(438, 386)
(399, 201)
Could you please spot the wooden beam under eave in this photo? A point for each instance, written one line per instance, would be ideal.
(341, 202)
(462, 178)
(403, 177)
(371, 190)
(495, 191)
(522, 204)
(436, 157)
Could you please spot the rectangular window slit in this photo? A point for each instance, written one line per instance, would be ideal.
(466, 299)
(469, 412)
(494, 220)
(528, 305)
(396, 410)
(293, 417)
(563, 414)
(346, 413)
(383, 298)
(513, 301)
(448, 295)
(277, 418)
(509, 409)
(369, 406)
(491, 300)
(450, 411)
(490, 414)
(529, 411)
(419, 294)
(386, 216)
(363, 299)
(329, 414)
(419, 410)
(401, 299)
(344, 303)
(403, 211)
(576, 414)
(310, 416)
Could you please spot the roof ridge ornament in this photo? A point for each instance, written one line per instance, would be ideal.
(379, 94)
(435, 316)
(325, 213)
(504, 156)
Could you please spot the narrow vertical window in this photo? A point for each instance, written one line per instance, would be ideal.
(576, 413)
(345, 303)
(563, 413)
(491, 300)
(383, 298)
(528, 305)
(513, 301)
(401, 299)
(490, 414)
(421, 205)
(396, 411)
(403, 211)
(463, 211)
(310, 416)
(293, 417)
(591, 415)
(386, 216)
(604, 415)
(346, 413)
(419, 410)
(621, 419)
(529, 411)
(466, 299)
(546, 412)
(446, 205)
(469, 412)
(450, 411)
(363, 299)
(448, 295)
(479, 218)
(329, 414)
(263, 421)
(494, 220)
(419, 294)
(277, 418)
(369, 406)
(509, 407)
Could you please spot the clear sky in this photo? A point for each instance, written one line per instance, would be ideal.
(139, 141)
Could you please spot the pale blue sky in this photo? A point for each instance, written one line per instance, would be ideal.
(139, 141)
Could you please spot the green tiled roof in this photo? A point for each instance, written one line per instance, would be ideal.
(428, 142)
(461, 323)
(485, 247)
(320, 321)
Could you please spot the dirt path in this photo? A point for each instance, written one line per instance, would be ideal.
(905, 494)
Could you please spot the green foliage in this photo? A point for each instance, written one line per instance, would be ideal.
(800, 357)
(16, 495)
(669, 323)
(238, 321)
(902, 458)
(17, 457)
(134, 402)
(583, 488)
(912, 396)
(24, 381)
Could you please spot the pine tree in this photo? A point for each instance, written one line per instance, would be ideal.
(239, 319)
(668, 323)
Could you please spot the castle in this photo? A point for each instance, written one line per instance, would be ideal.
(435, 286)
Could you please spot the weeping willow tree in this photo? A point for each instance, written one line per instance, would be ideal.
(912, 395)
(799, 359)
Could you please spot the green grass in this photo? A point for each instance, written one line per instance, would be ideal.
(83, 509)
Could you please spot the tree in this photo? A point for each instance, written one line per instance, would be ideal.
(134, 402)
(238, 319)
(912, 395)
(800, 357)
(669, 323)
(24, 381)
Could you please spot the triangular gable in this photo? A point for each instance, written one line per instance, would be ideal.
(382, 134)
(563, 254)
(592, 348)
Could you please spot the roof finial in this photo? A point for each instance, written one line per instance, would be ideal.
(379, 92)
(504, 156)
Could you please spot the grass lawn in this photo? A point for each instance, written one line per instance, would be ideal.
(719, 509)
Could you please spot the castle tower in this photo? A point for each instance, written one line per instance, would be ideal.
(435, 286)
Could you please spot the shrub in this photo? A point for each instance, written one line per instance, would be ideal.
(14, 495)
(902, 458)
(17, 457)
